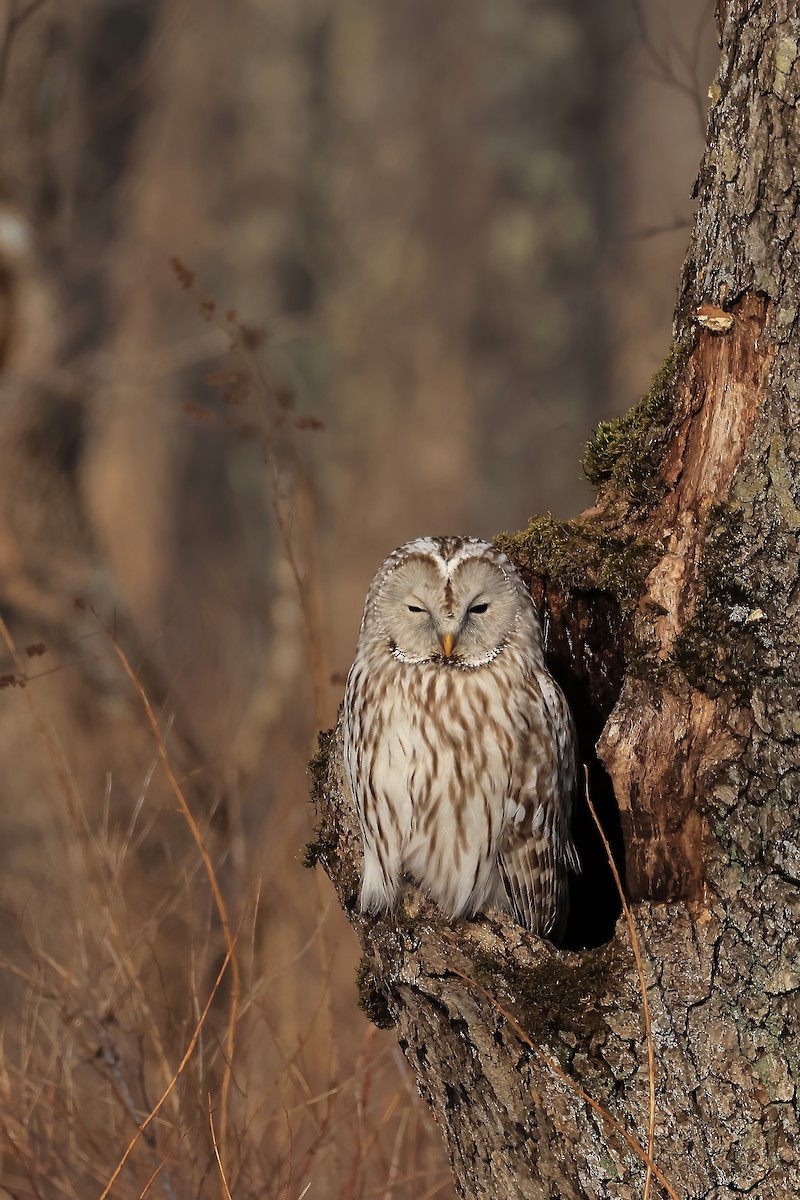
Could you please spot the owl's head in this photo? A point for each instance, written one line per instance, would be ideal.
(452, 600)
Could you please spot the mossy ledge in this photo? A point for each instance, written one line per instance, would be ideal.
(318, 770)
(557, 996)
(626, 452)
(578, 556)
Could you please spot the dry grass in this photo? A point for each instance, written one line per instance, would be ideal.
(179, 1013)
(178, 995)
(125, 1029)
(180, 1003)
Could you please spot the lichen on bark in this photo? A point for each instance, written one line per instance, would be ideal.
(719, 645)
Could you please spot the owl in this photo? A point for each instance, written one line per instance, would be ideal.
(459, 745)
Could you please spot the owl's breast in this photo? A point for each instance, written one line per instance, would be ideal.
(449, 731)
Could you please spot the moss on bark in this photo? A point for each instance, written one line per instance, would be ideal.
(626, 451)
(318, 771)
(578, 555)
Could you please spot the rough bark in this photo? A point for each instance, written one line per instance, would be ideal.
(674, 608)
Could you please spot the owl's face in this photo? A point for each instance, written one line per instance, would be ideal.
(459, 609)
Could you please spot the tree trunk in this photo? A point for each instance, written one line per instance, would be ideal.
(673, 617)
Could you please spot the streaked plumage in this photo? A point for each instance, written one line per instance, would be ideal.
(459, 744)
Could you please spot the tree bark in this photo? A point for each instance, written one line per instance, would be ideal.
(673, 616)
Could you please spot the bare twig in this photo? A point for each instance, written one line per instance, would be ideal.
(163, 1163)
(664, 68)
(679, 224)
(226, 1190)
(306, 585)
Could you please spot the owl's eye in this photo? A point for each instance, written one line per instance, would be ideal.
(413, 608)
(479, 608)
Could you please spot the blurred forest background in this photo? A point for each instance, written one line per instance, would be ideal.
(425, 248)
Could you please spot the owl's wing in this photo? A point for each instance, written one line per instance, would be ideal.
(537, 849)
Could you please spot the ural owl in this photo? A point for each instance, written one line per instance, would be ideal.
(459, 744)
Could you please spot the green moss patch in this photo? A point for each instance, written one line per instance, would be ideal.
(557, 996)
(577, 556)
(627, 451)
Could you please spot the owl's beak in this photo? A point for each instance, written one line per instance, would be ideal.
(447, 644)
